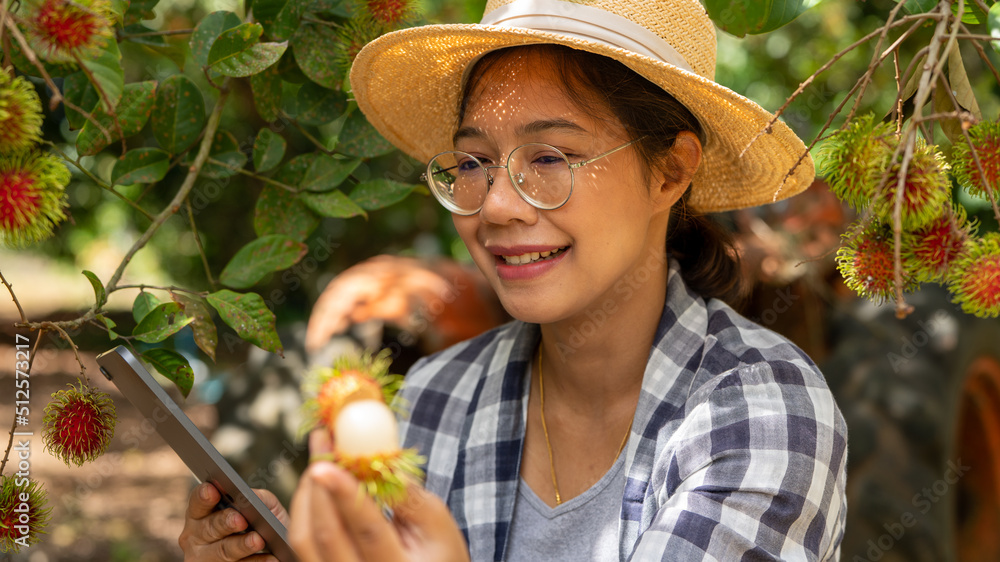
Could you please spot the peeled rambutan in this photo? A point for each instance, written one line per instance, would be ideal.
(20, 114)
(986, 139)
(867, 263)
(32, 196)
(974, 280)
(65, 29)
(351, 378)
(392, 12)
(23, 514)
(854, 159)
(931, 249)
(79, 424)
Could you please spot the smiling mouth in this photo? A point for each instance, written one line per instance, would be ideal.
(532, 257)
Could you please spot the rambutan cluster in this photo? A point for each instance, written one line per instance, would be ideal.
(64, 30)
(79, 424)
(23, 514)
(938, 244)
(20, 114)
(350, 401)
(32, 196)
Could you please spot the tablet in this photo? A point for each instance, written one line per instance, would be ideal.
(125, 370)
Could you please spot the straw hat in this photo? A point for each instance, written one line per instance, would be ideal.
(409, 85)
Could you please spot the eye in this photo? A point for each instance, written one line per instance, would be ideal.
(547, 160)
(467, 165)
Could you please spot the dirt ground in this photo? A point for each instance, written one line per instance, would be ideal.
(128, 505)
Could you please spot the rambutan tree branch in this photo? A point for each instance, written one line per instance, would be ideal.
(155, 33)
(201, 247)
(98, 182)
(107, 102)
(169, 289)
(69, 340)
(243, 171)
(13, 297)
(9, 23)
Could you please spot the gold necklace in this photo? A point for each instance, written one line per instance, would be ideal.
(545, 429)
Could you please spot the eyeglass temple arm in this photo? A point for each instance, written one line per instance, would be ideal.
(608, 153)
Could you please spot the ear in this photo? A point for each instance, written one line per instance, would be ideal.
(686, 159)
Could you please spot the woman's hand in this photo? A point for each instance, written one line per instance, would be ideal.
(334, 520)
(211, 535)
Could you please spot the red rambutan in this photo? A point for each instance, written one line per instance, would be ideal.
(23, 515)
(932, 249)
(974, 280)
(926, 190)
(986, 139)
(867, 263)
(78, 424)
(32, 196)
(20, 114)
(64, 29)
(392, 13)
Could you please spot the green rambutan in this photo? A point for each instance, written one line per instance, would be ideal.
(392, 13)
(974, 280)
(854, 159)
(79, 424)
(65, 29)
(23, 515)
(32, 196)
(926, 190)
(352, 37)
(986, 139)
(931, 249)
(20, 114)
(867, 263)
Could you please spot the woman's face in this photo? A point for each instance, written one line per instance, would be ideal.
(613, 225)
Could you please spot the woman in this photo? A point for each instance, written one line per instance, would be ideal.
(628, 413)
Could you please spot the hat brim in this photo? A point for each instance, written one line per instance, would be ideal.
(409, 85)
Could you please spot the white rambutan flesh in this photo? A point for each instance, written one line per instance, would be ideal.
(366, 428)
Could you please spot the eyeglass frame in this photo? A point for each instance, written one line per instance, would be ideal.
(450, 205)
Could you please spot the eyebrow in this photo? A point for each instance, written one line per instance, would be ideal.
(534, 127)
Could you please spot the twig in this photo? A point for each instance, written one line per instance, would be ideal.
(332, 24)
(65, 336)
(255, 175)
(99, 182)
(33, 59)
(986, 59)
(878, 58)
(309, 137)
(201, 249)
(203, 150)
(107, 102)
(14, 297)
(899, 93)
(156, 33)
(13, 425)
(169, 289)
(3, 19)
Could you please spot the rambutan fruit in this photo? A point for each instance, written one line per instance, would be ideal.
(392, 13)
(986, 139)
(926, 189)
(79, 424)
(867, 263)
(23, 514)
(32, 196)
(20, 114)
(351, 38)
(931, 249)
(974, 280)
(361, 377)
(854, 159)
(65, 29)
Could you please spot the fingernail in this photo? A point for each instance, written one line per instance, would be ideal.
(251, 541)
(203, 493)
(231, 520)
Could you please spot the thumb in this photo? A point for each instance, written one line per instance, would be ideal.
(425, 516)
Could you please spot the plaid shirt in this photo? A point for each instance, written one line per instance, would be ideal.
(737, 450)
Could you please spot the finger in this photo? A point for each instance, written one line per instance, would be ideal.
(272, 503)
(316, 531)
(373, 535)
(236, 547)
(320, 442)
(425, 518)
(202, 501)
(220, 525)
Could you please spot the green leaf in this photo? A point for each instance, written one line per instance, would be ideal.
(918, 6)
(117, 9)
(264, 255)
(208, 31)
(55, 70)
(109, 73)
(100, 295)
(993, 22)
(78, 90)
(317, 105)
(141, 165)
(326, 172)
(172, 365)
(142, 305)
(378, 194)
(279, 211)
(139, 10)
(358, 138)
(972, 14)
(280, 18)
(133, 111)
(742, 17)
(205, 334)
(266, 87)
(234, 41)
(110, 325)
(251, 61)
(315, 47)
(332, 204)
(268, 150)
(224, 149)
(179, 114)
(160, 323)
(249, 316)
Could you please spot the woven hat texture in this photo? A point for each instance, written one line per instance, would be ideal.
(409, 84)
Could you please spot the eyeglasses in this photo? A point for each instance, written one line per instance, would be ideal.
(541, 174)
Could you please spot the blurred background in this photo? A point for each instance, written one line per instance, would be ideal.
(921, 395)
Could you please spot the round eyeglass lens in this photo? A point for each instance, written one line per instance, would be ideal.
(542, 174)
(458, 181)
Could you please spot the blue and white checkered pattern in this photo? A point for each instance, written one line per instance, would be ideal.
(737, 450)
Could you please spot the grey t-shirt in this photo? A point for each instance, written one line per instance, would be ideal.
(583, 529)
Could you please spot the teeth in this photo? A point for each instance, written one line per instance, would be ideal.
(529, 257)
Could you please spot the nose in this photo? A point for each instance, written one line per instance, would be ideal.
(503, 203)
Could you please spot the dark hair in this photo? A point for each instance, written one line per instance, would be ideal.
(710, 264)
